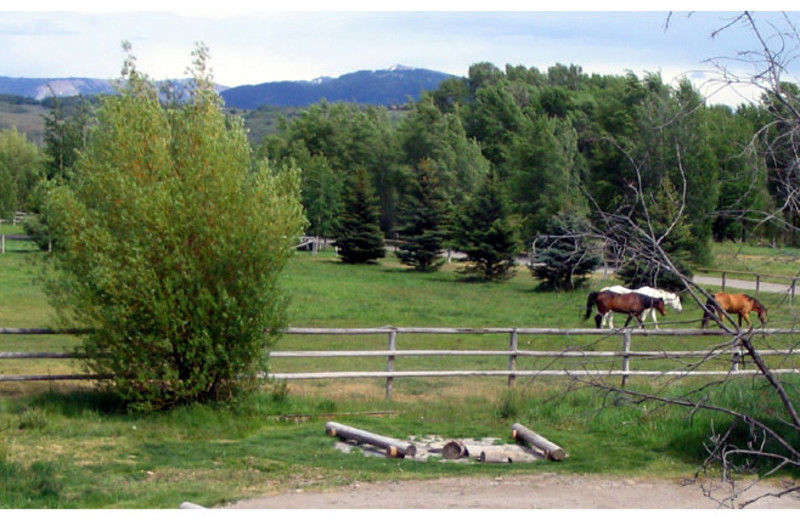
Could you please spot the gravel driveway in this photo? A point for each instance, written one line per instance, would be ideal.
(541, 491)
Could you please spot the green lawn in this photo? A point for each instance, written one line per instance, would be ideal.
(779, 262)
(67, 446)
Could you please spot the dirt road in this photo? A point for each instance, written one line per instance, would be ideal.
(542, 491)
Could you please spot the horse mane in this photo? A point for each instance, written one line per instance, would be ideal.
(650, 301)
(758, 303)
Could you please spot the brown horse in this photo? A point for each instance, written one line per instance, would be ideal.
(740, 304)
(633, 304)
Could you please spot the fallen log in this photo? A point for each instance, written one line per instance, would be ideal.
(498, 455)
(394, 448)
(455, 450)
(551, 450)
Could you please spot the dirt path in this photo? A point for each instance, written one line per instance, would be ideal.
(542, 491)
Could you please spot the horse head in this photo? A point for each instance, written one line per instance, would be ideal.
(762, 313)
(759, 308)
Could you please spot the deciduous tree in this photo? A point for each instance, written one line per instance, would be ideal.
(170, 245)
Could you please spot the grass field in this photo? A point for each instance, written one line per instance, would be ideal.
(65, 445)
(742, 258)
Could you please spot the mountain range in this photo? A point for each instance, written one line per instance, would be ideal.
(391, 86)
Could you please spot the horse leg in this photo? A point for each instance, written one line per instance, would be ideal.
(746, 316)
(707, 310)
(639, 318)
(599, 321)
(652, 313)
(630, 317)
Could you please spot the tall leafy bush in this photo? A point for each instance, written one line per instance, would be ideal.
(170, 241)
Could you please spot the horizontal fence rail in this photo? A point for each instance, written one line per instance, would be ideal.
(788, 283)
(733, 353)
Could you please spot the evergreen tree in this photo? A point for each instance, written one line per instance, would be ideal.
(483, 231)
(423, 217)
(564, 255)
(360, 240)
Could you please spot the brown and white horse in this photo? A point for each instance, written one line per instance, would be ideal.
(671, 299)
(740, 304)
(633, 304)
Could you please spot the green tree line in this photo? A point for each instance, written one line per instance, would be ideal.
(563, 145)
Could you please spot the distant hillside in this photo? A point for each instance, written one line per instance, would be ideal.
(391, 86)
(40, 88)
(381, 87)
(21, 99)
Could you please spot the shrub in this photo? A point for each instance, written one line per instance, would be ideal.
(169, 244)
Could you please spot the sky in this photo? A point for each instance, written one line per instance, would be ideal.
(247, 46)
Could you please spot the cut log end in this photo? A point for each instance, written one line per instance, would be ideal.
(454, 450)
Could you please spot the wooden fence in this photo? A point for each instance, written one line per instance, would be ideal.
(731, 352)
(790, 282)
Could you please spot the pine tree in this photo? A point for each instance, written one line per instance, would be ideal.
(483, 232)
(360, 240)
(423, 214)
(564, 256)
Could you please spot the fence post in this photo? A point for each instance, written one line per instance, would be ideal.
(626, 360)
(390, 362)
(512, 359)
(794, 284)
(737, 355)
(3, 244)
(724, 274)
(758, 283)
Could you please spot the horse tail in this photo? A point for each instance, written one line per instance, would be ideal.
(590, 303)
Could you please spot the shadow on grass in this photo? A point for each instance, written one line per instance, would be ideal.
(77, 402)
